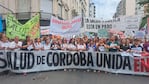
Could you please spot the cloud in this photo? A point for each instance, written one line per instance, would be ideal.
(105, 8)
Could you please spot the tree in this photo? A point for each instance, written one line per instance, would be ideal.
(143, 2)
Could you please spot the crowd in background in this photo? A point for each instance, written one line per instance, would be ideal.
(111, 44)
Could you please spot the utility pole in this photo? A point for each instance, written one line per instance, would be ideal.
(6, 8)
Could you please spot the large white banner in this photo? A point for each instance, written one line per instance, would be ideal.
(128, 24)
(132, 22)
(33, 61)
(65, 28)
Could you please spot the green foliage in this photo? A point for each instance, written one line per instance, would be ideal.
(142, 2)
(144, 21)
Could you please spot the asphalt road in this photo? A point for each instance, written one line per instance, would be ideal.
(77, 77)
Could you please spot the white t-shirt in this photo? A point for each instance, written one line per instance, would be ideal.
(30, 47)
(55, 46)
(101, 48)
(13, 44)
(0, 43)
(47, 47)
(90, 49)
(38, 45)
(80, 46)
(72, 46)
(5, 44)
(64, 46)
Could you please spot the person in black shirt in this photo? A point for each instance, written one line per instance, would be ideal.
(124, 46)
(55, 45)
(28, 44)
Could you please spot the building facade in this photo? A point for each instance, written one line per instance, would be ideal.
(64, 9)
(92, 9)
(126, 8)
(120, 10)
(68, 9)
(131, 8)
(24, 10)
(139, 8)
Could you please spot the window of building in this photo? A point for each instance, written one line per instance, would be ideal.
(24, 9)
(60, 10)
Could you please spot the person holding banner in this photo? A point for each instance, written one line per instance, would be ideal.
(64, 45)
(81, 46)
(113, 45)
(129, 41)
(16, 44)
(47, 44)
(55, 45)
(43, 39)
(50, 37)
(146, 46)
(71, 45)
(2, 35)
(91, 46)
(85, 39)
(124, 46)
(4, 43)
(38, 45)
(136, 47)
(28, 44)
(101, 46)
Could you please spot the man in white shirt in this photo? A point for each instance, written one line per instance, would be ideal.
(16, 44)
(4, 43)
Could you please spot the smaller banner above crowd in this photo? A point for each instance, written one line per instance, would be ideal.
(44, 30)
(140, 34)
(65, 28)
(103, 33)
(126, 24)
(1, 25)
(14, 28)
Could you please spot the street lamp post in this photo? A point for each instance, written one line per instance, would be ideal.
(6, 8)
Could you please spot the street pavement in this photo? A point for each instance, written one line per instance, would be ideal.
(75, 77)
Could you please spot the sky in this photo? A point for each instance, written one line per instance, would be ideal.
(105, 9)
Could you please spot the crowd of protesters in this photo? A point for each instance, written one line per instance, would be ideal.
(112, 44)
